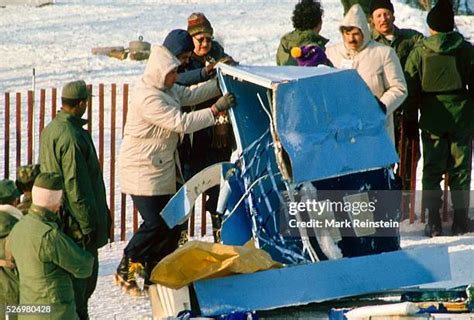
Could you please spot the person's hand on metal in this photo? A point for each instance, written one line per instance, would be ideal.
(209, 70)
(228, 60)
(224, 103)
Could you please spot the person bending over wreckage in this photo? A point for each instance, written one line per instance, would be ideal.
(148, 157)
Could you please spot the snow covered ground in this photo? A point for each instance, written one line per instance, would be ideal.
(56, 40)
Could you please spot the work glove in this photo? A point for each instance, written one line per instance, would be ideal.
(228, 60)
(225, 102)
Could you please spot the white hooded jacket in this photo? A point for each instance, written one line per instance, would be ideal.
(148, 157)
(377, 64)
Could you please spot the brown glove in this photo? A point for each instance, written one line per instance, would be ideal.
(228, 60)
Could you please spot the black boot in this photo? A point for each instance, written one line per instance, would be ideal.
(125, 276)
(433, 228)
(461, 222)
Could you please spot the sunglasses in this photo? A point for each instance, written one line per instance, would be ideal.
(201, 39)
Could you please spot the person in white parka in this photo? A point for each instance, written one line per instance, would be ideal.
(377, 64)
(148, 157)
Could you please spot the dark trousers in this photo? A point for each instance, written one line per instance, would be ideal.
(84, 288)
(450, 153)
(153, 239)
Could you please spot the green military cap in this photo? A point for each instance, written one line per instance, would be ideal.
(50, 181)
(76, 90)
(8, 191)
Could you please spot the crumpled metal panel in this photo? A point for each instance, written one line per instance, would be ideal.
(331, 125)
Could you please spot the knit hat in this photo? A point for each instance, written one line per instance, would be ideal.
(178, 41)
(441, 17)
(8, 191)
(381, 4)
(76, 90)
(47, 189)
(309, 55)
(198, 23)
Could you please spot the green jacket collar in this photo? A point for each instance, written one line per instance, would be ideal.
(43, 214)
(68, 117)
(444, 42)
(306, 36)
(381, 38)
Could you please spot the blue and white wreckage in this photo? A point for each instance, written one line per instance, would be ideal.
(307, 136)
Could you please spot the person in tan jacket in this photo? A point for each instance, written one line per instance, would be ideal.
(377, 64)
(148, 158)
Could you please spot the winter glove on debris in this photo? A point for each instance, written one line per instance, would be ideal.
(382, 106)
(228, 60)
(224, 103)
(208, 71)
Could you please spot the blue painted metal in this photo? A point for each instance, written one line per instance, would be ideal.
(323, 281)
(236, 228)
(330, 125)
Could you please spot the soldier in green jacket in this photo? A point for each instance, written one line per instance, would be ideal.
(9, 216)
(67, 148)
(402, 41)
(307, 21)
(440, 72)
(46, 258)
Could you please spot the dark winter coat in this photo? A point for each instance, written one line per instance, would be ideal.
(68, 149)
(296, 38)
(441, 72)
(46, 259)
(203, 151)
(9, 286)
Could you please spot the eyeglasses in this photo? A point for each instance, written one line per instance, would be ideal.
(201, 39)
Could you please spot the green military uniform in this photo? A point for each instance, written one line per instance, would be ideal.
(296, 38)
(440, 73)
(46, 258)
(68, 149)
(403, 41)
(9, 216)
(9, 286)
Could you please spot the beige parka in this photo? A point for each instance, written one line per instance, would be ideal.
(155, 123)
(377, 64)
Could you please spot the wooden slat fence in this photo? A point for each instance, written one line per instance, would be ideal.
(30, 119)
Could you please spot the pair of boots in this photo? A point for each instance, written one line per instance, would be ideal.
(461, 223)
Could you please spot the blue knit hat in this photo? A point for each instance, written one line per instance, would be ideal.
(179, 41)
